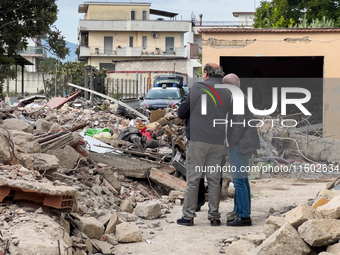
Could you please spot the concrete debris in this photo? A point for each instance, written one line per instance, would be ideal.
(148, 210)
(331, 210)
(105, 247)
(17, 124)
(168, 181)
(301, 214)
(68, 157)
(176, 194)
(127, 206)
(243, 247)
(272, 224)
(113, 222)
(320, 232)
(92, 227)
(56, 191)
(285, 240)
(128, 232)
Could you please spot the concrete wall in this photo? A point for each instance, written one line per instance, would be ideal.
(290, 44)
(116, 12)
(33, 82)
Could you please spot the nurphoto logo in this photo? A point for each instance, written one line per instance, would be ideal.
(238, 103)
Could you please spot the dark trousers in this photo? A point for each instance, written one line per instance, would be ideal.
(242, 199)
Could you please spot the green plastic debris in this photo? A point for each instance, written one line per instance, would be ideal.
(92, 132)
(255, 195)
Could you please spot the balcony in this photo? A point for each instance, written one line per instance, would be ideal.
(34, 51)
(134, 25)
(99, 51)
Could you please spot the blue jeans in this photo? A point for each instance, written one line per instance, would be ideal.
(242, 199)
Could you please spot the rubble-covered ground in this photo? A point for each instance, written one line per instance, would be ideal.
(81, 177)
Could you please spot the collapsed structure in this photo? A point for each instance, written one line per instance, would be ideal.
(78, 177)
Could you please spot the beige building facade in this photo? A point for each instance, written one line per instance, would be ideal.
(114, 32)
(284, 54)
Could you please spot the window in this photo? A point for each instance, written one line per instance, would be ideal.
(145, 42)
(131, 41)
(107, 66)
(144, 15)
(108, 44)
(133, 15)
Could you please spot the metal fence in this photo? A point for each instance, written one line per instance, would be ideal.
(123, 89)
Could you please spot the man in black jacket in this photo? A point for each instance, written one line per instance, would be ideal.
(243, 140)
(205, 145)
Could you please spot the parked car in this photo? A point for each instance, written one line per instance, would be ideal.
(162, 97)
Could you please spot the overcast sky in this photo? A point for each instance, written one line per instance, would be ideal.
(212, 10)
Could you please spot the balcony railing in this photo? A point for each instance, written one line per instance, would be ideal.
(34, 50)
(223, 23)
(130, 51)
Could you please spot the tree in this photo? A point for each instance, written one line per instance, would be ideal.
(23, 19)
(287, 13)
(277, 13)
(74, 72)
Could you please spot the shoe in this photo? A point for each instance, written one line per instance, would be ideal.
(198, 208)
(231, 216)
(240, 222)
(215, 222)
(185, 222)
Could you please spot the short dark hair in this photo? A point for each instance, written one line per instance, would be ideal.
(213, 70)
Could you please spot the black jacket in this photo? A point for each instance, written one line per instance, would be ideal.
(201, 127)
(245, 138)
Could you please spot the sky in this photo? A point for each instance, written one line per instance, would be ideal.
(212, 10)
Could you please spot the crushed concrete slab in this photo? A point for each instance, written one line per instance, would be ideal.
(334, 248)
(5, 155)
(126, 206)
(32, 147)
(168, 181)
(111, 226)
(273, 223)
(111, 239)
(320, 232)
(128, 232)
(285, 240)
(40, 239)
(105, 219)
(301, 214)
(130, 167)
(39, 161)
(67, 157)
(43, 125)
(108, 174)
(17, 124)
(21, 137)
(256, 239)
(105, 247)
(331, 210)
(175, 194)
(92, 227)
(243, 247)
(126, 217)
(328, 194)
(148, 210)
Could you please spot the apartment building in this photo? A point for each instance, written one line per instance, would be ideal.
(121, 37)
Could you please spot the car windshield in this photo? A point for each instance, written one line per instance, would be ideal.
(162, 94)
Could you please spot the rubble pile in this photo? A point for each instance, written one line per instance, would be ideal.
(65, 192)
(312, 228)
(79, 177)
